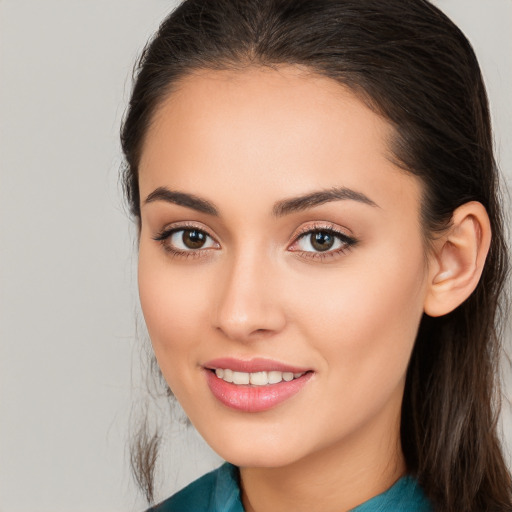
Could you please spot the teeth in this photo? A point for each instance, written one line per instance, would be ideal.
(275, 377)
(240, 378)
(256, 378)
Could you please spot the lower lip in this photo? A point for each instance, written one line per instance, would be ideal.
(249, 398)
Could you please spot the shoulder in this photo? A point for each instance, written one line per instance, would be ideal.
(406, 495)
(219, 488)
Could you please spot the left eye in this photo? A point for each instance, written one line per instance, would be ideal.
(189, 240)
(322, 241)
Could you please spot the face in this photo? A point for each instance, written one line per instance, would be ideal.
(282, 269)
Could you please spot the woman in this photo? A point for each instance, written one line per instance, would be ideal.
(321, 253)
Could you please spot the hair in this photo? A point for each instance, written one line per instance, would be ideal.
(413, 66)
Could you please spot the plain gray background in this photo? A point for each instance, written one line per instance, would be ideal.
(69, 353)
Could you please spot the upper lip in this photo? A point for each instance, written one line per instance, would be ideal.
(253, 365)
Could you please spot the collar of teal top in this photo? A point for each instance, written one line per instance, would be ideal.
(227, 490)
(219, 491)
(404, 496)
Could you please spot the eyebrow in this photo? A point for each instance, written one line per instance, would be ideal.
(307, 201)
(182, 199)
(280, 209)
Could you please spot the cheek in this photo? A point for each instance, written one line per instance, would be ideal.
(364, 318)
(172, 304)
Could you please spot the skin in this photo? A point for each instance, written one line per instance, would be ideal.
(244, 140)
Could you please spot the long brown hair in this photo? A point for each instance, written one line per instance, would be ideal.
(412, 65)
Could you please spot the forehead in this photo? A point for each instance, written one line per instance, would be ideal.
(275, 131)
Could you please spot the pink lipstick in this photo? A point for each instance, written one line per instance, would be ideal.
(256, 385)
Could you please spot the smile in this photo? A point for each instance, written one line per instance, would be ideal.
(256, 385)
(257, 378)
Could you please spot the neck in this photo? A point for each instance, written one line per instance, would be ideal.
(340, 477)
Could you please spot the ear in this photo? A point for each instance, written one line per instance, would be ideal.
(458, 259)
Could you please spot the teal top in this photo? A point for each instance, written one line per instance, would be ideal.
(219, 491)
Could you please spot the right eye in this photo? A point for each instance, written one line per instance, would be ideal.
(186, 240)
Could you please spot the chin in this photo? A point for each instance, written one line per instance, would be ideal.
(258, 459)
(251, 452)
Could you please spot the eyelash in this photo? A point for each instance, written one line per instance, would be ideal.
(347, 242)
(164, 236)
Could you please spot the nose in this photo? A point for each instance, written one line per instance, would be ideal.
(248, 305)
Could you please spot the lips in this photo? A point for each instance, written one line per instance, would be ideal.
(256, 385)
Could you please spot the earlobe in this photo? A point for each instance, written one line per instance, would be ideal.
(458, 259)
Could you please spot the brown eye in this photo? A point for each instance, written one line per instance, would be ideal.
(317, 241)
(322, 240)
(186, 240)
(193, 238)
